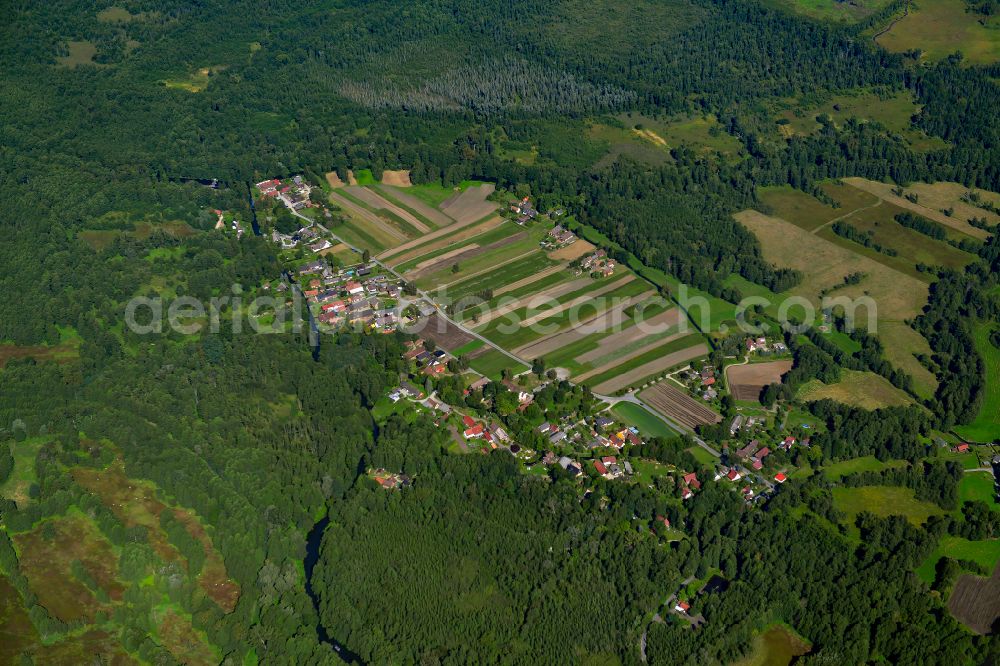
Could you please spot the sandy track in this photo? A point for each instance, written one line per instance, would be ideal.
(659, 365)
(399, 178)
(630, 335)
(554, 291)
(436, 217)
(670, 401)
(368, 216)
(579, 300)
(625, 358)
(375, 201)
(447, 233)
(470, 205)
(600, 322)
(528, 280)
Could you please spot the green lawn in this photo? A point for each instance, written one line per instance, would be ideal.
(978, 486)
(986, 553)
(884, 501)
(702, 456)
(365, 177)
(648, 425)
(865, 464)
(468, 347)
(986, 427)
(493, 363)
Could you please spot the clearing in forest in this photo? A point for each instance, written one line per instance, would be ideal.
(975, 601)
(938, 28)
(858, 389)
(986, 426)
(399, 178)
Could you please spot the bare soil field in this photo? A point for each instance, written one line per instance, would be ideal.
(333, 180)
(437, 263)
(674, 403)
(747, 381)
(659, 365)
(471, 204)
(931, 199)
(823, 264)
(375, 201)
(528, 280)
(624, 358)
(368, 217)
(399, 178)
(975, 601)
(633, 334)
(442, 237)
(574, 251)
(435, 216)
(579, 300)
(351, 180)
(554, 291)
(444, 333)
(596, 324)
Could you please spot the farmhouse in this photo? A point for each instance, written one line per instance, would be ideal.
(736, 424)
(682, 607)
(473, 432)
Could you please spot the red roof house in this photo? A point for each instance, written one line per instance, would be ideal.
(780, 478)
(599, 466)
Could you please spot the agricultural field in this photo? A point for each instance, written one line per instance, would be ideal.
(975, 601)
(678, 405)
(897, 296)
(986, 427)
(939, 28)
(648, 424)
(858, 389)
(747, 381)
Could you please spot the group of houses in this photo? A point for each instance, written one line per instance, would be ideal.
(429, 363)
(354, 295)
(293, 193)
(598, 262)
(762, 346)
(754, 454)
(308, 236)
(389, 480)
(233, 224)
(492, 434)
(524, 210)
(560, 236)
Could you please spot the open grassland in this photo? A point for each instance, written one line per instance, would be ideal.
(986, 427)
(892, 112)
(746, 381)
(884, 501)
(623, 142)
(932, 199)
(648, 424)
(23, 475)
(674, 403)
(196, 81)
(858, 389)
(941, 27)
(823, 264)
(836, 470)
(701, 134)
(636, 371)
(79, 53)
(776, 646)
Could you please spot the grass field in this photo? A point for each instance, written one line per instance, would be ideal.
(855, 465)
(858, 389)
(80, 53)
(985, 553)
(884, 501)
(978, 487)
(776, 646)
(986, 427)
(941, 27)
(648, 424)
(492, 364)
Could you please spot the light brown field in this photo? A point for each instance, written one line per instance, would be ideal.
(451, 234)
(653, 367)
(747, 381)
(351, 180)
(528, 280)
(931, 199)
(670, 401)
(897, 296)
(334, 180)
(596, 324)
(651, 136)
(436, 217)
(555, 291)
(369, 217)
(399, 178)
(858, 389)
(573, 251)
(975, 601)
(624, 358)
(579, 300)
(375, 201)
(632, 334)
(471, 204)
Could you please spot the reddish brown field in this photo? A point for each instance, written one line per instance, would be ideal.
(57, 353)
(747, 381)
(444, 334)
(975, 601)
(675, 404)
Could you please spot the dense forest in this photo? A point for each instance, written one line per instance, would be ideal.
(260, 439)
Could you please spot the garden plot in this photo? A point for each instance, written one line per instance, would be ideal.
(659, 323)
(415, 205)
(534, 300)
(612, 359)
(379, 203)
(656, 366)
(471, 204)
(531, 279)
(578, 301)
(677, 405)
(747, 381)
(379, 230)
(442, 237)
(471, 251)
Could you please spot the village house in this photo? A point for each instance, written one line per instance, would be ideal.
(410, 391)
(682, 607)
(736, 424)
(780, 477)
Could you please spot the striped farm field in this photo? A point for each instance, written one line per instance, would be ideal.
(447, 245)
(675, 404)
(439, 238)
(550, 280)
(415, 206)
(652, 363)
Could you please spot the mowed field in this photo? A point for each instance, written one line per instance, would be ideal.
(897, 295)
(674, 403)
(940, 27)
(986, 427)
(747, 381)
(858, 389)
